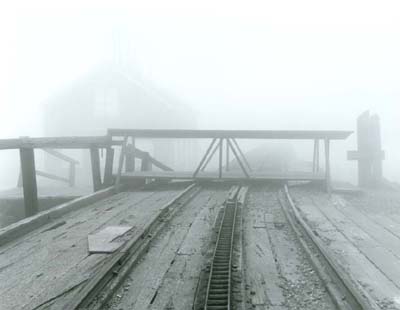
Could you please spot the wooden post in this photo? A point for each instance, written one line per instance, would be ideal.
(130, 158)
(108, 169)
(227, 156)
(72, 173)
(146, 163)
(28, 171)
(220, 158)
(316, 156)
(134, 149)
(96, 175)
(327, 167)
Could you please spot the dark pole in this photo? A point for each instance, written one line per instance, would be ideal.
(327, 167)
(108, 170)
(28, 171)
(95, 161)
(227, 156)
(220, 158)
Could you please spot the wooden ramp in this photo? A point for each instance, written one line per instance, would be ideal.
(362, 234)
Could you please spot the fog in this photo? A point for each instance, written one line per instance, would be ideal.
(237, 65)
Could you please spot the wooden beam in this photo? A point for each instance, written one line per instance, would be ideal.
(242, 154)
(227, 156)
(146, 163)
(29, 184)
(327, 167)
(96, 174)
(210, 156)
(121, 163)
(130, 158)
(239, 134)
(238, 159)
(220, 158)
(58, 142)
(204, 157)
(315, 167)
(108, 169)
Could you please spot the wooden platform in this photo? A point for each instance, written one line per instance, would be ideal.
(362, 234)
(226, 176)
(46, 265)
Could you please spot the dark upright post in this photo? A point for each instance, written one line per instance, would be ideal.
(28, 171)
(227, 156)
(220, 159)
(96, 175)
(327, 167)
(108, 170)
(130, 158)
(146, 163)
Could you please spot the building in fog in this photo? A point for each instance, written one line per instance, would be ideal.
(109, 98)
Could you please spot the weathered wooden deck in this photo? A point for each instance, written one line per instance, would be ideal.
(362, 234)
(51, 261)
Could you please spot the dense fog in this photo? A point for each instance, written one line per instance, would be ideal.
(221, 65)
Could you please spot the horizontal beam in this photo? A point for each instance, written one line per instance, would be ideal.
(51, 176)
(58, 143)
(235, 134)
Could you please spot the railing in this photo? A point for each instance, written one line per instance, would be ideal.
(70, 180)
(27, 146)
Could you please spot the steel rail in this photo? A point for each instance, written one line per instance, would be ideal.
(218, 293)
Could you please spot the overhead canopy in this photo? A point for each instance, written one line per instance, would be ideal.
(239, 134)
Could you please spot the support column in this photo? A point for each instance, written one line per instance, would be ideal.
(130, 158)
(227, 156)
(96, 175)
(108, 170)
(28, 172)
(220, 158)
(327, 167)
(316, 156)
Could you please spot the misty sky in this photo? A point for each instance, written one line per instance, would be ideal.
(239, 64)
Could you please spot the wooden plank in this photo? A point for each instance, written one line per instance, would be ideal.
(105, 241)
(377, 232)
(58, 253)
(96, 174)
(262, 274)
(239, 134)
(360, 269)
(28, 171)
(383, 259)
(27, 225)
